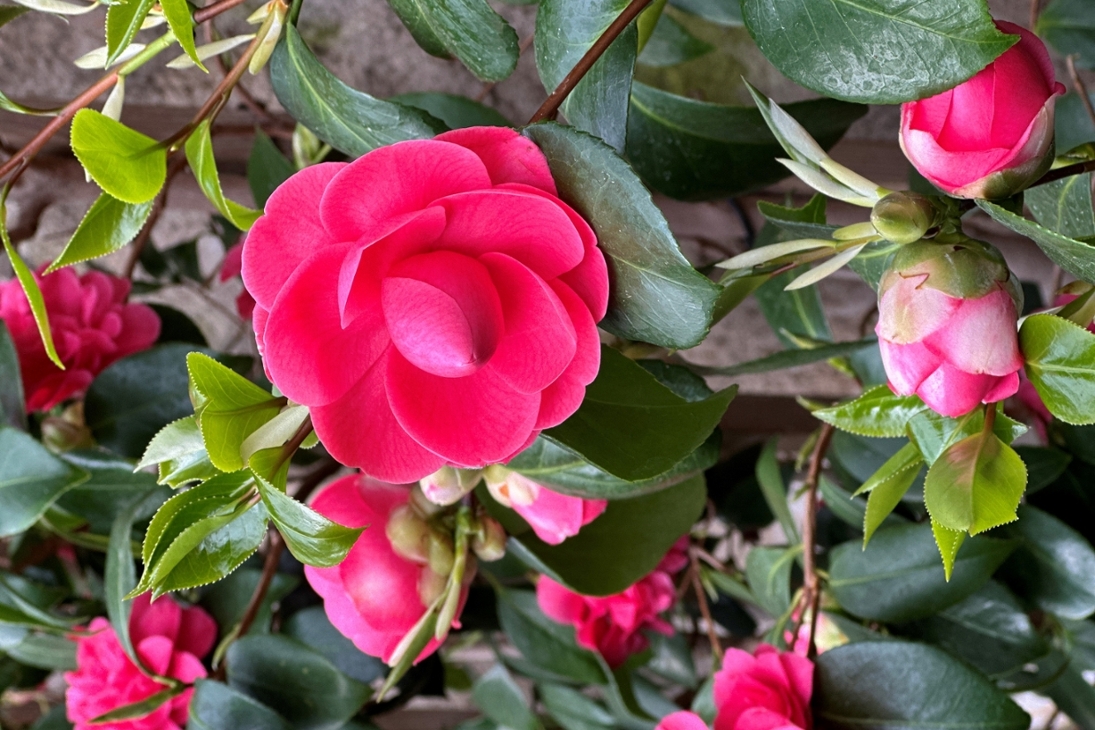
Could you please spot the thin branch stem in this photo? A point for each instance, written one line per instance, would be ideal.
(274, 548)
(211, 11)
(1035, 8)
(551, 106)
(157, 209)
(705, 610)
(812, 584)
(1062, 172)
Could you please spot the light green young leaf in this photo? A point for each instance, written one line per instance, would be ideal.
(975, 485)
(275, 432)
(887, 486)
(933, 434)
(199, 153)
(877, 413)
(1075, 257)
(948, 542)
(29, 282)
(1060, 362)
(181, 23)
(126, 164)
(123, 20)
(768, 570)
(107, 227)
(311, 538)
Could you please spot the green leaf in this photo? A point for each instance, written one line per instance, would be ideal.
(1067, 26)
(793, 358)
(126, 164)
(877, 413)
(619, 547)
(123, 20)
(565, 30)
(179, 450)
(933, 434)
(716, 11)
(975, 485)
(670, 44)
(696, 150)
(267, 168)
(312, 628)
(989, 630)
(31, 479)
(1044, 465)
(177, 13)
(774, 490)
(572, 709)
(672, 659)
(876, 51)
(1060, 362)
(140, 709)
(500, 699)
(1064, 206)
(1073, 256)
(632, 426)
(656, 296)
(768, 570)
(199, 153)
(295, 681)
(887, 486)
(1053, 567)
(898, 578)
(9, 13)
(45, 651)
(457, 112)
(1073, 696)
(949, 543)
(216, 706)
(107, 227)
(348, 120)
(882, 685)
(27, 604)
(552, 464)
(227, 600)
(468, 29)
(29, 283)
(549, 644)
(12, 402)
(234, 409)
(120, 577)
(311, 538)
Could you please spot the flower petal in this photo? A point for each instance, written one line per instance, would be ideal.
(562, 398)
(907, 366)
(509, 157)
(953, 392)
(980, 337)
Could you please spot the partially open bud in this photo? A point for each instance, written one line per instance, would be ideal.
(448, 485)
(947, 325)
(903, 217)
(553, 516)
(409, 534)
(490, 542)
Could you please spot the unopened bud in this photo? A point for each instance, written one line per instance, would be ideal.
(307, 147)
(270, 32)
(448, 485)
(409, 534)
(431, 585)
(903, 217)
(489, 543)
(440, 552)
(496, 477)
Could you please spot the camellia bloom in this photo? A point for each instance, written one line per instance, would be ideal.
(991, 136)
(947, 325)
(433, 303)
(170, 641)
(767, 690)
(377, 594)
(615, 625)
(92, 327)
(552, 516)
(231, 267)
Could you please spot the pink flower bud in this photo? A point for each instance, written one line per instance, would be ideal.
(991, 136)
(376, 595)
(93, 326)
(947, 325)
(553, 517)
(448, 485)
(490, 542)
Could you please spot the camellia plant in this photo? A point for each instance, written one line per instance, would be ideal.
(470, 448)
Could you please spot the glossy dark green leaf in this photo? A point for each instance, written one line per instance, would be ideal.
(107, 227)
(898, 577)
(1067, 25)
(622, 545)
(888, 486)
(793, 358)
(1044, 465)
(884, 685)
(140, 708)
(1060, 362)
(12, 401)
(1053, 567)
(295, 681)
(572, 709)
(877, 413)
(216, 706)
(31, 478)
(1064, 206)
(455, 111)
(1073, 696)
(1073, 256)
(500, 699)
(311, 538)
(770, 480)
(672, 659)
(267, 168)
(989, 630)
(671, 43)
(634, 427)
(30, 605)
(549, 644)
(312, 628)
(565, 29)
(45, 651)
(347, 119)
(975, 485)
(126, 164)
(876, 51)
(123, 20)
(716, 11)
(695, 150)
(1073, 125)
(468, 29)
(199, 153)
(768, 570)
(130, 401)
(120, 576)
(227, 600)
(656, 295)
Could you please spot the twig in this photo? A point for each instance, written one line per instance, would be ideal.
(1081, 88)
(811, 583)
(211, 11)
(315, 478)
(551, 106)
(1035, 7)
(705, 610)
(1062, 172)
(157, 209)
(274, 548)
(248, 100)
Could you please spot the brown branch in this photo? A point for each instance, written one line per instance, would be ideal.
(211, 11)
(157, 210)
(551, 106)
(1035, 8)
(1062, 172)
(705, 610)
(811, 583)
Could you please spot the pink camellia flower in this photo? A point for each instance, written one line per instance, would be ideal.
(552, 516)
(382, 588)
(947, 325)
(170, 641)
(433, 303)
(767, 690)
(92, 326)
(231, 267)
(615, 625)
(991, 136)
